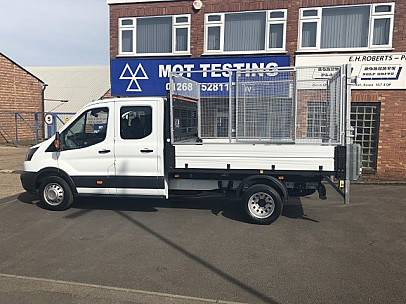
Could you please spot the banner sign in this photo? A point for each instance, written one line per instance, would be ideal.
(150, 77)
(377, 71)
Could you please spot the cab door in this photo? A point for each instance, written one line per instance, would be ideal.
(87, 150)
(139, 149)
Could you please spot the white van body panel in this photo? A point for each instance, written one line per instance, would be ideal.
(41, 159)
(140, 161)
(244, 156)
(89, 161)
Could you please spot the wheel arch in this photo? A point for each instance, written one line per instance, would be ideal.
(263, 179)
(52, 171)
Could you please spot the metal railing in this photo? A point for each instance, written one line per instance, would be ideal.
(20, 127)
(28, 127)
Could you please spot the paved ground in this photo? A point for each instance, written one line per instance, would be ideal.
(11, 159)
(201, 250)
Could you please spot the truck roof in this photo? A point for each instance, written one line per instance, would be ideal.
(127, 99)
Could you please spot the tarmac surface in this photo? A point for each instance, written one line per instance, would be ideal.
(11, 163)
(200, 249)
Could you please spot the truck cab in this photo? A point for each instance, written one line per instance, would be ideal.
(113, 146)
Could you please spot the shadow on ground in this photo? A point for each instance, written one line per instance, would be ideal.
(218, 205)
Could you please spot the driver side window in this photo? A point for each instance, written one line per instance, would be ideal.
(87, 130)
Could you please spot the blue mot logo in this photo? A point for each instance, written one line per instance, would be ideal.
(150, 77)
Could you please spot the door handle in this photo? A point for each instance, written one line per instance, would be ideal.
(104, 151)
(146, 150)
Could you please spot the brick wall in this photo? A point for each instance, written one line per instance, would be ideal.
(391, 163)
(19, 92)
(197, 19)
(213, 6)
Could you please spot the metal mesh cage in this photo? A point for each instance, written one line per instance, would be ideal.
(282, 105)
(264, 106)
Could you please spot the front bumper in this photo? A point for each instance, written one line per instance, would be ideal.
(28, 180)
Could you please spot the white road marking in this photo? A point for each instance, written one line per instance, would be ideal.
(127, 290)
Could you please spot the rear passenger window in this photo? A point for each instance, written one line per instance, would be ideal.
(135, 122)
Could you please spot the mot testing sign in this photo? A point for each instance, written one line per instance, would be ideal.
(150, 77)
(377, 71)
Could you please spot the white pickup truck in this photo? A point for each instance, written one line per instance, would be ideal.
(155, 146)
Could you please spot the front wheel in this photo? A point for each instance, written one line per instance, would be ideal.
(55, 193)
(262, 204)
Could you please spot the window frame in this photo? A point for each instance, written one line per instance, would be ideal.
(221, 24)
(84, 116)
(208, 24)
(381, 15)
(310, 19)
(122, 28)
(273, 21)
(175, 25)
(180, 25)
(372, 17)
(131, 108)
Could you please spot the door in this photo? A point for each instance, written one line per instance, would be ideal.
(87, 150)
(139, 149)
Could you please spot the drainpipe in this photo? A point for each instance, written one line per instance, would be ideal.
(44, 86)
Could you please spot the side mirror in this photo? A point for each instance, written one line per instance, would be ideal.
(57, 143)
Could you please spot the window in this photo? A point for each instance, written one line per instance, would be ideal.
(89, 129)
(163, 35)
(135, 122)
(346, 27)
(365, 121)
(246, 32)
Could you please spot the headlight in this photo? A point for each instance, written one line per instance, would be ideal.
(30, 153)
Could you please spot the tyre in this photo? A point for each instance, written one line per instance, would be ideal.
(55, 193)
(262, 204)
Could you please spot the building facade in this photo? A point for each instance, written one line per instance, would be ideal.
(174, 35)
(21, 103)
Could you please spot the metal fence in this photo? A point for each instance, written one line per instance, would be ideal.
(29, 127)
(284, 105)
(20, 127)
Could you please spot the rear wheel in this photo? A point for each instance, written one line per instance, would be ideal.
(262, 204)
(55, 193)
